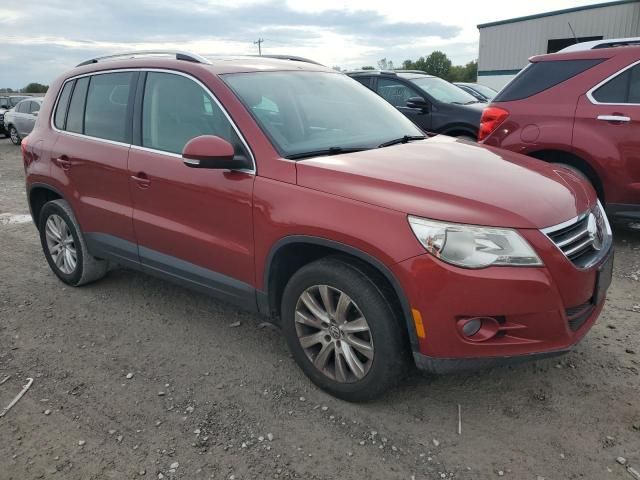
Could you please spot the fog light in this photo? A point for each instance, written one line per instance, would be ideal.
(471, 327)
(478, 329)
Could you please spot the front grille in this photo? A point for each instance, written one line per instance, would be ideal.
(583, 240)
(576, 316)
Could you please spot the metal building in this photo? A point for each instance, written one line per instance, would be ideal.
(506, 45)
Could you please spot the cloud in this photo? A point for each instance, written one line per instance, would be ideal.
(45, 37)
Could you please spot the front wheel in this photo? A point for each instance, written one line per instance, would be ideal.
(65, 248)
(14, 135)
(342, 331)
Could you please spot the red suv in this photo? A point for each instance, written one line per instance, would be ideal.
(579, 108)
(292, 190)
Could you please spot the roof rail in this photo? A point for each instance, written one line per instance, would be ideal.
(399, 70)
(375, 70)
(179, 55)
(597, 44)
(293, 58)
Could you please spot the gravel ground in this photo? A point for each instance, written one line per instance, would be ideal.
(137, 378)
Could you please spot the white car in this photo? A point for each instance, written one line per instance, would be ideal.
(20, 121)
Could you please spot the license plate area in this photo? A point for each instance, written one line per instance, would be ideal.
(603, 280)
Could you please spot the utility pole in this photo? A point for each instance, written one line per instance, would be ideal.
(259, 43)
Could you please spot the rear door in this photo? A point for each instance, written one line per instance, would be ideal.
(89, 159)
(30, 117)
(397, 92)
(607, 127)
(20, 117)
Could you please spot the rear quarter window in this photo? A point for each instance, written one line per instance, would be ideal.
(540, 76)
(63, 103)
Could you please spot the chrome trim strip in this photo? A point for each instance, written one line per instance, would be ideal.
(610, 77)
(138, 147)
(578, 247)
(573, 238)
(568, 223)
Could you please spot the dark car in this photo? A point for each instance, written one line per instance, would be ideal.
(288, 189)
(7, 102)
(579, 108)
(481, 92)
(433, 104)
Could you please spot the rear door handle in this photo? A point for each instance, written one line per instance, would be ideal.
(614, 118)
(63, 162)
(141, 179)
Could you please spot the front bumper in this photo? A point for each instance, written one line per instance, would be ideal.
(542, 311)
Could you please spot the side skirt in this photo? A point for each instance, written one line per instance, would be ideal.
(173, 269)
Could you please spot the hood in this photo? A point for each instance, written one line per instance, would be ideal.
(452, 180)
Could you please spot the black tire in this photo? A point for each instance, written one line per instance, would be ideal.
(13, 134)
(389, 362)
(88, 268)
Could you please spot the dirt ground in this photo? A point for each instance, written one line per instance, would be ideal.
(208, 400)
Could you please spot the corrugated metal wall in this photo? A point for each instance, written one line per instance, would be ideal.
(508, 46)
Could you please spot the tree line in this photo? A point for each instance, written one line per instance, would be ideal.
(31, 88)
(437, 63)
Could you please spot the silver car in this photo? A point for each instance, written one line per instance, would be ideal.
(20, 121)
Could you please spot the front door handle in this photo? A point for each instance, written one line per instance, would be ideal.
(614, 118)
(141, 179)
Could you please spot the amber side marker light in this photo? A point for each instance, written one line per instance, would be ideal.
(417, 320)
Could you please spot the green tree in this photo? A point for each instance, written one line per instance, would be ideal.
(35, 88)
(384, 64)
(407, 65)
(437, 63)
(368, 67)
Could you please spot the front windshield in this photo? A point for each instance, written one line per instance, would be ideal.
(444, 91)
(314, 111)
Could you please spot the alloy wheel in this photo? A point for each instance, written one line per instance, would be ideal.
(61, 245)
(14, 135)
(334, 333)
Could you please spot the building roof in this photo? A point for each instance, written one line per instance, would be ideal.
(556, 12)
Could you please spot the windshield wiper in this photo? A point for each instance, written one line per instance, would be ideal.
(405, 139)
(326, 151)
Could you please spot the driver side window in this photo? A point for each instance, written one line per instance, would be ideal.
(395, 92)
(176, 109)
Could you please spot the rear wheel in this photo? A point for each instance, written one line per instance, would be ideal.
(13, 134)
(341, 330)
(65, 248)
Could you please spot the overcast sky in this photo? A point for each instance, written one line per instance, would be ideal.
(43, 38)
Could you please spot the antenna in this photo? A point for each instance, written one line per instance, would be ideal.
(259, 43)
(574, 33)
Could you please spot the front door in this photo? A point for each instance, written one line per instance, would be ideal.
(607, 127)
(193, 224)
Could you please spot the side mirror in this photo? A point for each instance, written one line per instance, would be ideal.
(209, 151)
(417, 102)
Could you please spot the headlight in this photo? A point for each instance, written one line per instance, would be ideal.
(471, 246)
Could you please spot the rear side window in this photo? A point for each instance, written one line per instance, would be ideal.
(22, 107)
(366, 81)
(75, 117)
(107, 102)
(621, 89)
(540, 76)
(63, 103)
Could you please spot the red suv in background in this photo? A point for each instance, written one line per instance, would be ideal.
(292, 190)
(579, 108)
